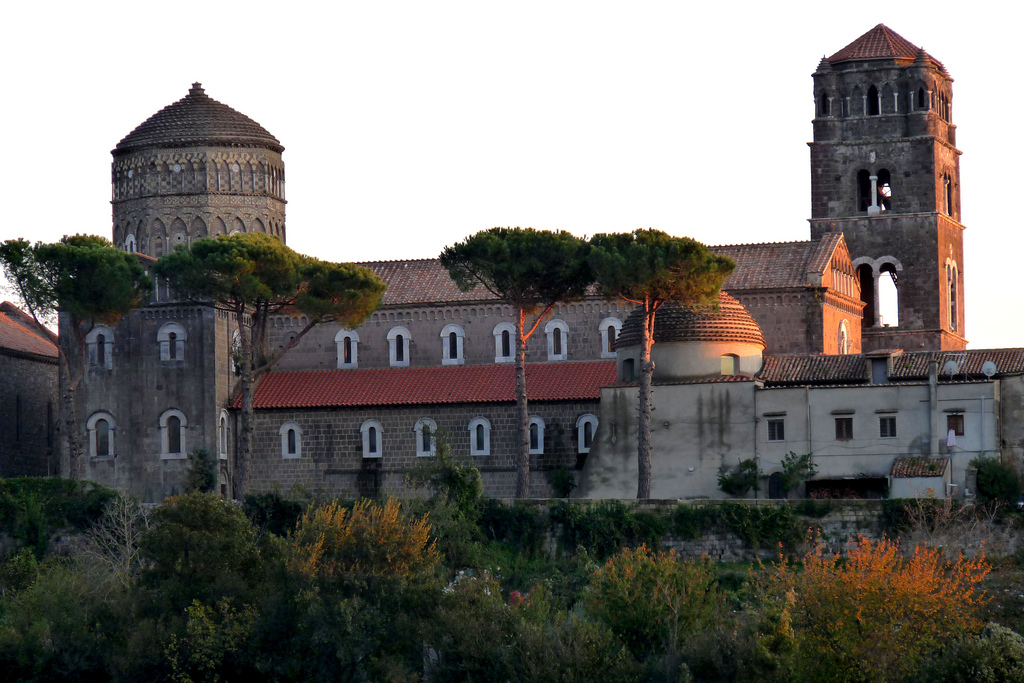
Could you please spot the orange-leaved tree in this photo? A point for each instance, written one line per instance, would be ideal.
(873, 613)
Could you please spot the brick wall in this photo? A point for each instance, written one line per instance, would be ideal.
(29, 415)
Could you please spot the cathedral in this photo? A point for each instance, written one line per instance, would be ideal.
(799, 345)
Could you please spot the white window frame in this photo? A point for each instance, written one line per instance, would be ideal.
(91, 427)
(605, 324)
(339, 339)
(460, 335)
(129, 243)
(283, 432)
(473, 424)
(164, 337)
(549, 329)
(781, 420)
(539, 421)
(365, 430)
(498, 329)
(425, 422)
(222, 435)
(392, 346)
(580, 422)
(108, 347)
(165, 454)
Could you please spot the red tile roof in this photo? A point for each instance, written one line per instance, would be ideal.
(20, 338)
(778, 265)
(421, 281)
(915, 365)
(813, 369)
(572, 381)
(881, 42)
(676, 323)
(903, 468)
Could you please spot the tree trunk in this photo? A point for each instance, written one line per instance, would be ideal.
(523, 413)
(245, 430)
(643, 489)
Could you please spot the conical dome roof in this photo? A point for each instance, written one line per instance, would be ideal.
(197, 120)
(676, 323)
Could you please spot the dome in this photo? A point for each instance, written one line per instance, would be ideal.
(677, 323)
(197, 120)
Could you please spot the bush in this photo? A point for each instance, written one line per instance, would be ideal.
(604, 529)
(654, 602)
(202, 472)
(269, 512)
(562, 481)
(32, 509)
(760, 525)
(740, 479)
(519, 526)
(874, 614)
(994, 656)
(997, 482)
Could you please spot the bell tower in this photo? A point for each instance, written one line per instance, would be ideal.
(885, 171)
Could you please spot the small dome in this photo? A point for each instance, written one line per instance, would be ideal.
(197, 120)
(676, 323)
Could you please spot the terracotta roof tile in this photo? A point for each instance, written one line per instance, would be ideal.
(881, 42)
(573, 381)
(772, 265)
(813, 369)
(676, 323)
(197, 119)
(16, 337)
(915, 365)
(903, 468)
(421, 281)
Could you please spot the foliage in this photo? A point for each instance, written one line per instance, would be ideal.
(18, 570)
(449, 478)
(32, 509)
(996, 655)
(200, 547)
(813, 508)
(369, 539)
(741, 478)
(649, 268)
(997, 481)
(796, 469)
(761, 525)
(562, 481)
(202, 472)
(874, 614)
(653, 601)
(531, 270)
(213, 635)
(605, 528)
(254, 276)
(520, 526)
(270, 512)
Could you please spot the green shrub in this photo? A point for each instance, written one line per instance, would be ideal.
(519, 526)
(202, 472)
(813, 508)
(562, 481)
(740, 479)
(760, 525)
(606, 528)
(270, 512)
(33, 508)
(997, 482)
(994, 656)
(796, 469)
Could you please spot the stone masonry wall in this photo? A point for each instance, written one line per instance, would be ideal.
(29, 414)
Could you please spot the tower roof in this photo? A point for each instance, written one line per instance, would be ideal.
(881, 42)
(197, 119)
(731, 322)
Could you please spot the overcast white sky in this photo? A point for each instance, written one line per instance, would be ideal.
(409, 125)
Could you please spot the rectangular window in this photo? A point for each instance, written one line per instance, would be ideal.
(887, 427)
(955, 424)
(776, 430)
(844, 428)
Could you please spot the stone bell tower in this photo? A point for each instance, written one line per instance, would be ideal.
(885, 171)
(197, 168)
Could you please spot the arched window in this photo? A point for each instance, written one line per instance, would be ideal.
(823, 104)
(222, 435)
(586, 426)
(504, 342)
(922, 99)
(129, 243)
(348, 348)
(479, 436)
(399, 340)
(874, 103)
(888, 296)
(451, 345)
(558, 339)
(291, 440)
(866, 276)
(372, 439)
(172, 435)
(609, 329)
(100, 347)
(884, 185)
(425, 429)
(536, 435)
(952, 277)
(730, 364)
(101, 427)
(947, 190)
(863, 190)
(844, 339)
(172, 342)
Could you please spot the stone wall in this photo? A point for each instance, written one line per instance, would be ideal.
(29, 415)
